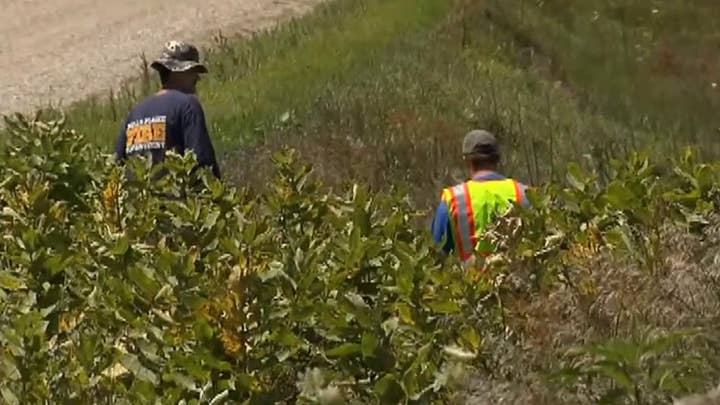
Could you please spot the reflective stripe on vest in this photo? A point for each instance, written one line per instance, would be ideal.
(464, 220)
(472, 203)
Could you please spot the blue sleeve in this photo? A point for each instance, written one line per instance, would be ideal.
(196, 137)
(525, 200)
(120, 143)
(441, 227)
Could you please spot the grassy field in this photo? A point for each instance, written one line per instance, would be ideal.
(381, 92)
(652, 65)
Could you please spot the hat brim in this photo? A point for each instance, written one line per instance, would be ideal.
(481, 155)
(178, 66)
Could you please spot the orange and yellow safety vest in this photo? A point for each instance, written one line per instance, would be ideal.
(472, 206)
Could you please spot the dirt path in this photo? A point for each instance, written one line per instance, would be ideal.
(61, 50)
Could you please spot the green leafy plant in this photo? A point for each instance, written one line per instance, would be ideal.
(118, 286)
(620, 371)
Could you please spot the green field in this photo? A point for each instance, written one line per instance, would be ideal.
(618, 255)
(356, 86)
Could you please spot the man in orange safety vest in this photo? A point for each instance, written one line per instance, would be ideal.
(467, 209)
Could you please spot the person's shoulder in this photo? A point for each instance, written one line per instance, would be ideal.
(523, 191)
(516, 180)
(190, 103)
(178, 102)
(156, 100)
(175, 96)
(448, 191)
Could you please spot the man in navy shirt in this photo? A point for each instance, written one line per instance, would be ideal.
(172, 118)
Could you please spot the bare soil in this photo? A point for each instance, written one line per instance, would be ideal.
(56, 52)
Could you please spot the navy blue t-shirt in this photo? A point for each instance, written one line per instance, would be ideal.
(171, 120)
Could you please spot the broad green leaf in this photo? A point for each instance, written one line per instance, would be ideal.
(202, 328)
(245, 382)
(133, 364)
(390, 325)
(356, 245)
(149, 351)
(56, 264)
(276, 269)
(47, 311)
(214, 362)
(389, 391)
(145, 391)
(230, 245)
(444, 306)
(121, 246)
(620, 196)
(250, 232)
(87, 350)
(287, 338)
(356, 306)
(9, 369)
(9, 397)
(369, 343)
(404, 279)
(619, 238)
(411, 375)
(575, 176)
(687, 176)
(183, 381)
(211, 219)
(472, 337)
(191, 366)
(344, 350)
(405, 313)
(614, 371)
(10, 282)
(144, 280)
(705, 177)
(356, 300)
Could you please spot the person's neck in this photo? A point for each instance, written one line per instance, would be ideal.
(482, 172)
(168, 88)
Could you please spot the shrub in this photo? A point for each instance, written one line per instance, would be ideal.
(124, 289)
(118, 287)
(609, 288)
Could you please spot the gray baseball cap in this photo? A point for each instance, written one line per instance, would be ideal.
(480, 143)
(179, 56)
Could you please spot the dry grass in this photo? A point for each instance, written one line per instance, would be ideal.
(609, 298)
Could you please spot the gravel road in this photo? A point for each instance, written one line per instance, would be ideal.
(58, 51)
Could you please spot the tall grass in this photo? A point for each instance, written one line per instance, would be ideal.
(400, 121)
(651, 65)
(383, 91)
(253, 83)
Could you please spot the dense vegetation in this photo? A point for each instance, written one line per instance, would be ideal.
(126, 289)
(133, 291)
(285, 284)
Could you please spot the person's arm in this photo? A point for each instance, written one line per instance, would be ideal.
(196, 137)
(525, 201)
(441, 227)
(120, 143)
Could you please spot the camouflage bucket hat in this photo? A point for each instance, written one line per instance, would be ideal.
(178, 56)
